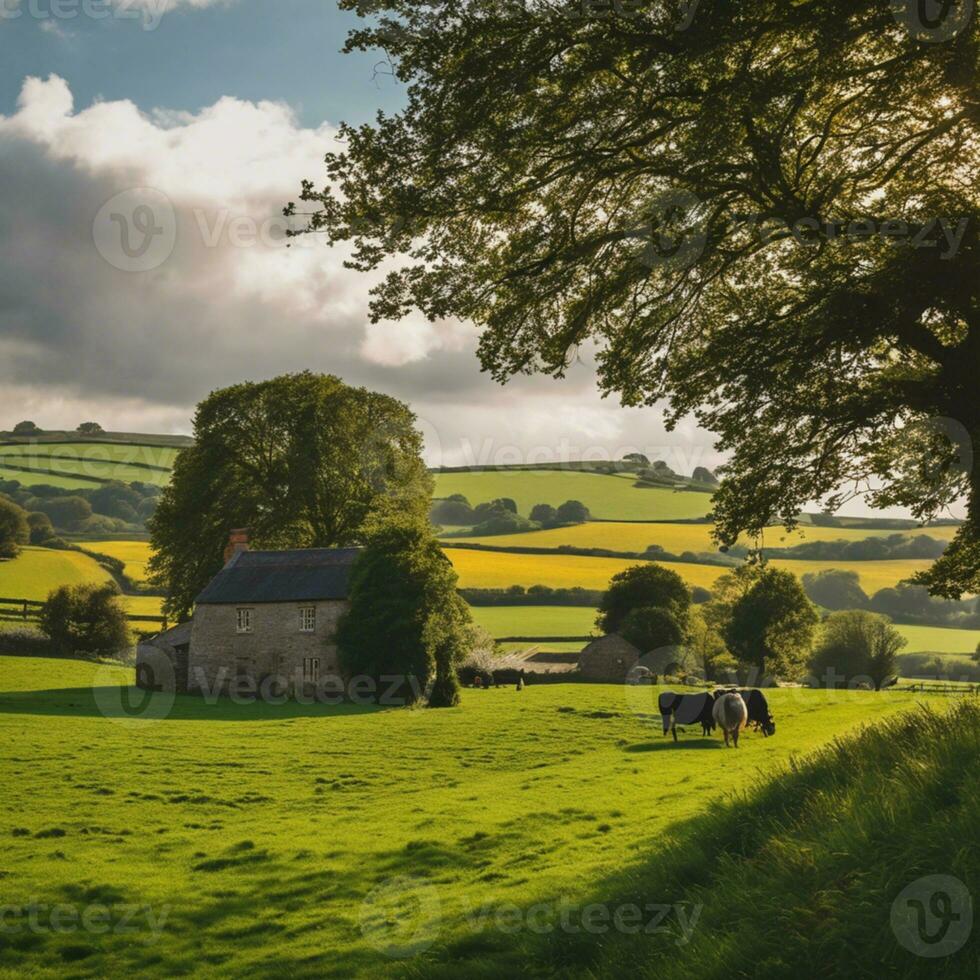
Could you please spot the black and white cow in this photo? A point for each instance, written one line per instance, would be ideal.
(686, 709)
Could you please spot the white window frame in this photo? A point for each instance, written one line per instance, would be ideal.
(243, 619)
(311, 670)
(307, 619)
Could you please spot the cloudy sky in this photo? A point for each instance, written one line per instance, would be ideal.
(146, 149)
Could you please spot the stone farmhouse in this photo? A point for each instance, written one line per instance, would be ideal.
(265, 614)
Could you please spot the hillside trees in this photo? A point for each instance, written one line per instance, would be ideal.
(856, 645)
(742, 215)
(302, 460)
(14, 529)
(771, 625)
(406, 620)
(835, 588)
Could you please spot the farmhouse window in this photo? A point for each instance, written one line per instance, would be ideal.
(311, 669)
(307, 619)
(244, 620)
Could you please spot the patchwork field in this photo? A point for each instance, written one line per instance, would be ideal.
(86, 464)
(535, 620)
(678, 538)
(609, 497)
(497, 569)
(935, 639)
(31, 479)
(36, 571)
(135, 555)
(238, 846)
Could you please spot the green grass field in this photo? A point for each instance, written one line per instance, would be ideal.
(935, 639)
(677, 538)
(612, 497)
(135, 555)
(33, 479)
(309, 841)
(535, 620)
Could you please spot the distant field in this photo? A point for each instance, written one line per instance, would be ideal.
(612, 497)
(494, 570)
(935, 639)
(134, 553)
(142, 605)
(678, 538)
(38, 571)
(147, 464)
(535, 620)
(31, 479)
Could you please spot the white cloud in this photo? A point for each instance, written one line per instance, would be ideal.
(80, 336)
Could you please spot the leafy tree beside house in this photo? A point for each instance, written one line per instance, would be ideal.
(302, 460)
(643, 587)
(406, 619)
(14, 529)
(86, 619)
(856, 644)
(772, 625)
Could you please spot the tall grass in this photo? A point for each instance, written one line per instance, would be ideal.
(796, 878)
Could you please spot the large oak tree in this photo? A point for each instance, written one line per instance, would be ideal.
(302, 461)
(669, 181)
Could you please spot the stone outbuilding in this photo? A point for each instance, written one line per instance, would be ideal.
(265, 614)
(610, 658)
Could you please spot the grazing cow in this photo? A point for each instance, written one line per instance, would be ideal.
(758, 708)
(686, 709)
(730, 715)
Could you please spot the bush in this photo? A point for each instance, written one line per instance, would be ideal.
(544, 514)
(504, 523)
(86, 619)
(89, 429)
(18, 641)
(14, 528)
(454, 510)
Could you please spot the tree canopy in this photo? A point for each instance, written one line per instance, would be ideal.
(763, 213)
(406, 620)
(14, 529)
(642, 587)
(302, 461)
(853, 645)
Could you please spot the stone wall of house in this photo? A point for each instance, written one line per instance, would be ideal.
(162, 660)
(219, 654)
(609, 658)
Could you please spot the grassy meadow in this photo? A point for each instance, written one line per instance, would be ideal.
(84, 465)
(607, 497)
(36, 571)
(312, 841)
(134, 555)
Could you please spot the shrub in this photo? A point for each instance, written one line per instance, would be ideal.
(544, 514)
(504, 523)
(85, 619)
(89, 428)
(454, 510)
(14, 529)
(20, 641)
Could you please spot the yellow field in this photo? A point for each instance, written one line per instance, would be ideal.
(38, 571)
(496, 570)
(134, 553)
(678, 538)
(143, 605)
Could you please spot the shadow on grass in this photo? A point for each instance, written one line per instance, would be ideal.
(681, 743)
(132, 703)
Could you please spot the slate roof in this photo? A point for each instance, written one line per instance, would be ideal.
(282, 576)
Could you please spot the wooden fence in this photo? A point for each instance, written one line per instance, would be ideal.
(29, 611)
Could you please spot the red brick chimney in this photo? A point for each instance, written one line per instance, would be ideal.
(237, 542)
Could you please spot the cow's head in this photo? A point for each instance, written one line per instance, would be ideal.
(769, 726)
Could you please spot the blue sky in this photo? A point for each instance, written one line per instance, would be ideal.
(285, 50)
